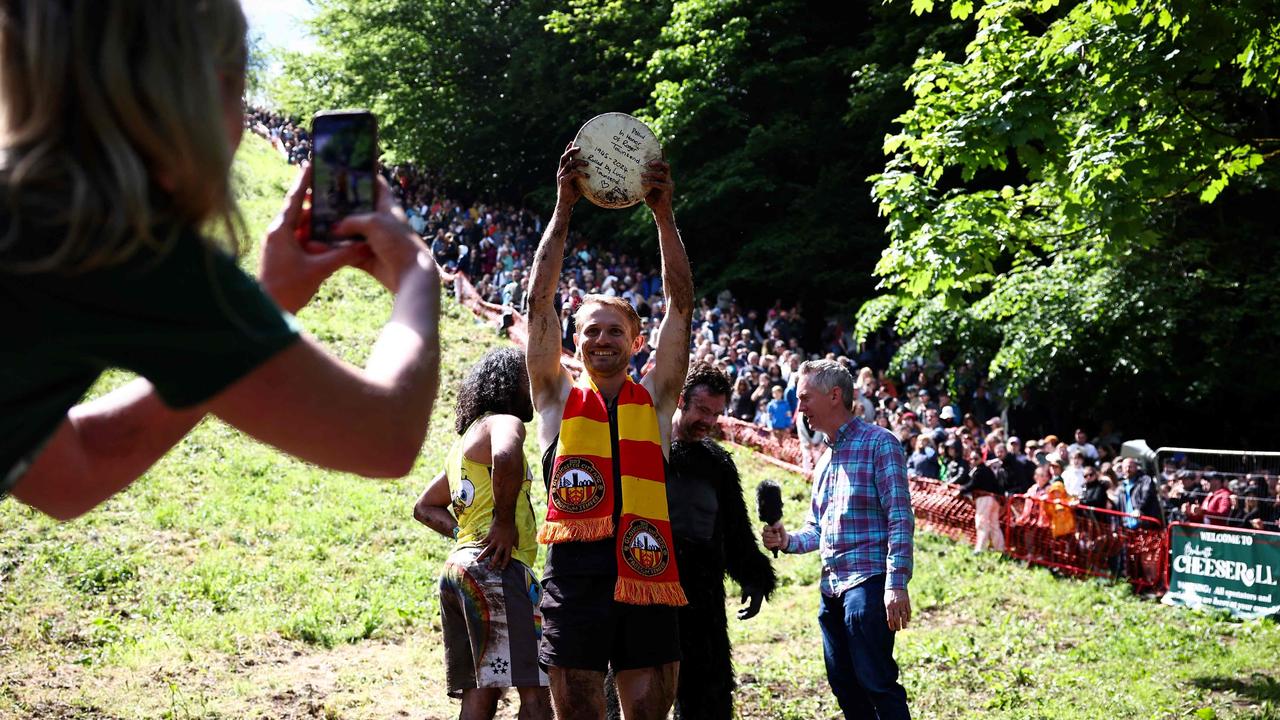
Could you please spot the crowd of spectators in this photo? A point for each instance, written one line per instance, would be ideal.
(1205, 495)
(285, 134)
(954, 427)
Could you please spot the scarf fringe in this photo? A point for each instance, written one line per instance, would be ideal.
(644, 592)
(575, 530)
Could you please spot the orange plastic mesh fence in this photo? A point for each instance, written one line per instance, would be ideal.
(1081, 540)
(940, 508)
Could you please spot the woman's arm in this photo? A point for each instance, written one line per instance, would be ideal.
(100, 448)
(317, 407)
(302, 400)
(309, 404)
(432, 507)
(506, 457)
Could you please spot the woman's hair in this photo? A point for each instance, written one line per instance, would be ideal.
(498, 383)
(112, 124)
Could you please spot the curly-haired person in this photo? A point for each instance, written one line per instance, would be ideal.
(489, 596)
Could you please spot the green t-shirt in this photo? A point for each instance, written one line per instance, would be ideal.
(189, 321)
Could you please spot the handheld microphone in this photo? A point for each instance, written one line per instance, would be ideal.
(769, 504)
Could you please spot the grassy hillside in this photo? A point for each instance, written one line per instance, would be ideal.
(233, 582)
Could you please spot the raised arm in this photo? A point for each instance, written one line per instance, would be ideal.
(303, 400)
(548, 380)
(671, 361)
(370, 421)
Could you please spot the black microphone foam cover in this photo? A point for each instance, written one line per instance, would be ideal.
(769, 502)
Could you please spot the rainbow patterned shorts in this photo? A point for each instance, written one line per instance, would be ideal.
(492, 624)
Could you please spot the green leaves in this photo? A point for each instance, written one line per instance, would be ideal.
(1055, 181)
(481, 91)
(772, 113)
(1039, 182)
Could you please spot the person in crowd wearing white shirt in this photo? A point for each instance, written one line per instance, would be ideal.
(1083, 445)
(1073, 474)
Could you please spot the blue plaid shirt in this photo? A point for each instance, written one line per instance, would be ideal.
(860, 517)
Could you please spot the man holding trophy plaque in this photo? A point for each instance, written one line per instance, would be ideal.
(611, 587)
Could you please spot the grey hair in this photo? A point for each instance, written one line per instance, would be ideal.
(827, 374)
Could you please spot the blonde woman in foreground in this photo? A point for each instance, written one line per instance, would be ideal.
(118, 123)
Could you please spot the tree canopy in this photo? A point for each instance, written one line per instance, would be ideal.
(1077, 197)
(772, 114)
(1085, 203)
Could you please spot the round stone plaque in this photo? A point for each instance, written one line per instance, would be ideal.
(616, 147)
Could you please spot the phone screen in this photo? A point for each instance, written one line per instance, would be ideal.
(344, 161)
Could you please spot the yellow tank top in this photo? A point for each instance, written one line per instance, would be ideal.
(471, 487)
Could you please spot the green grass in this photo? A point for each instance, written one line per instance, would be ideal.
(233, 582)
(994, 638)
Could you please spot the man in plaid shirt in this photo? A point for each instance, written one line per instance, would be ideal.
(861, 522)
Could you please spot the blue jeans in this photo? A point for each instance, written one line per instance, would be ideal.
(858, 646)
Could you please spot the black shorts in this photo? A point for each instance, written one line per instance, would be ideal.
(584, 628)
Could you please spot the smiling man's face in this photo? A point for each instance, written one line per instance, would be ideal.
(605, 340)
(697, 416)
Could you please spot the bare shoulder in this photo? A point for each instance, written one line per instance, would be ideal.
(503, 426)
(477, 442)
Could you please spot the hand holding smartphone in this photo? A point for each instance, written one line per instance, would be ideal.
(344, 169)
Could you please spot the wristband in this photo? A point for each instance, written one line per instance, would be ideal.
(456, 529)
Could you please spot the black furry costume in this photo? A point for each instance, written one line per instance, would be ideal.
(713, 534)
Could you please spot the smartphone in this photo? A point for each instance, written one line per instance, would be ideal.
(344, 166)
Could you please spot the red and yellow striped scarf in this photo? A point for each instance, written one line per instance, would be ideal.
(581, 497)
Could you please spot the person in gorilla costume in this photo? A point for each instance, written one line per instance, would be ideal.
(713, 534)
